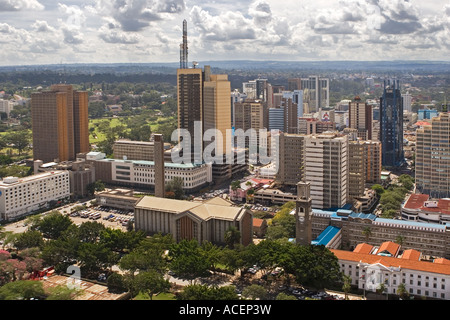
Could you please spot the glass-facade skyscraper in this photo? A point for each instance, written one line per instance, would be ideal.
(391, 125)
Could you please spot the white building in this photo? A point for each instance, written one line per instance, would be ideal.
(21, 196)
(420, 278)
(6, 106)
(326, 168)
(407, 101)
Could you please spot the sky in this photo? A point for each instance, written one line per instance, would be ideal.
(150, 31)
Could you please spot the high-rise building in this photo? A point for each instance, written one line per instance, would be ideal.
(276, 118)
(407, 101)
(372, 152)
(326, 168)
(6, 106)
(316, 92)
(360, 118)
(433, 157)
(356, 169)
(290, 115)
(294, 84)
(391, 125)
(291, 159)
(159, 166)
(190, 106)
(60, 123)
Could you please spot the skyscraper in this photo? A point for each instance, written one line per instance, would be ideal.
(433, 157)
(60, 123)
(391, 125)
(360, 118)
(316, 92)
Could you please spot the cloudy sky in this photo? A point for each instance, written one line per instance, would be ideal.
(88, 31)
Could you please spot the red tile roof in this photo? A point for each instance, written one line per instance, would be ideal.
(425, 266)
(390, 247)
(411, 254)
(442, 261)
(257, 222)
(363, 248)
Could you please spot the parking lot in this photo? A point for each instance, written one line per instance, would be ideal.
(114, 218)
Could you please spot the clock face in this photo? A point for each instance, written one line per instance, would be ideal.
(301, 219)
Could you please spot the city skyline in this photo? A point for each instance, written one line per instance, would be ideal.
(146, 31)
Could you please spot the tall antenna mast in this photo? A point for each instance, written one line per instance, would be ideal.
(184, 48)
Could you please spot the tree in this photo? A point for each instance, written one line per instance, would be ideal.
(96, 186)
(378, 189)
(367, 232)
(116, 283)
(205, 292)
(254, 292)
(54, 224)
(347, 285)
(284, 296)
(22, 290)
(90, 231)
(28, 239)
(399, 239)
(401, 291)
(150, 282)
(235, 185)
(19, 139)
(232, 236)
(175, 187)
(63, 292)
(187, 260)
(95, 257)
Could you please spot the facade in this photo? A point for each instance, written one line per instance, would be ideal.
(433, 157)
(141, 174)
(291, 159)
(6, 106)
(22, 196)
(391, 125)
(373, 167)
(369, 269)
(314, 126)
(326, 168)
(360, 117)
(407, 101)
(423, 114)
(276, 119)
(117, 198)
(356, 169)
(316, 92)
(190, 103)
(60, 123)
(186, 220)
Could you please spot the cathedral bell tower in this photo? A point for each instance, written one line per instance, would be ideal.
(303, 214)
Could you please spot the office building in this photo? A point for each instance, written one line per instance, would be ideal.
(60, 123)
(428, 114)
(391, 125)
(22, 196)
(314, 126)
(6, 106)
(373, 166)
(291, 159)
(432, 165)
(356, 169)
(159, 166)
(316, 92)
(294, 84)
(326, 167)
(185, 220)
(360, 117)
(407, 101)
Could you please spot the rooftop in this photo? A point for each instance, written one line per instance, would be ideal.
(363, 248)
(326, 236)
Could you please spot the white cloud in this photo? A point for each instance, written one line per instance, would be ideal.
(18, 5)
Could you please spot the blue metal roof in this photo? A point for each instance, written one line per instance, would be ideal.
(326, 236)
(413, 223)
(363, 215)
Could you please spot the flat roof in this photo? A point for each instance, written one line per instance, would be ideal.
(152, 163)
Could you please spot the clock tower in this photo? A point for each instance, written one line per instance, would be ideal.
(303, 214)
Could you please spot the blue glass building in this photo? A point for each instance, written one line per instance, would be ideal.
(391, 125)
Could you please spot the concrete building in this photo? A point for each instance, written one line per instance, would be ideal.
(356, 169)
(118, 198)
(419, 207)
(316, 92)
(159, 168)
(360, 117)
(314, 126)
(60, 123)
(370, 267)
(6, 106)
(186, 220)
(141, 174)
(433, 157)
(291, 159)
(373, 167)
(22, 196)
(407, 101)
(326, 168)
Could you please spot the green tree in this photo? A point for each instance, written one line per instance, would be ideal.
(174, 188)
(254, 292)
(151, 282)
(205, 292)
(347, 285)
(378, 189)
(284, 296)
(22, 290)
(235, 185)
(63, 293)
(402, 292)
(187, 260)
(232, 236)
(95, 257)
(367, 232)
(28, 239)
(20, 140)
(54, 224)
(90, 231)
(96, 186)
(116, 283)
